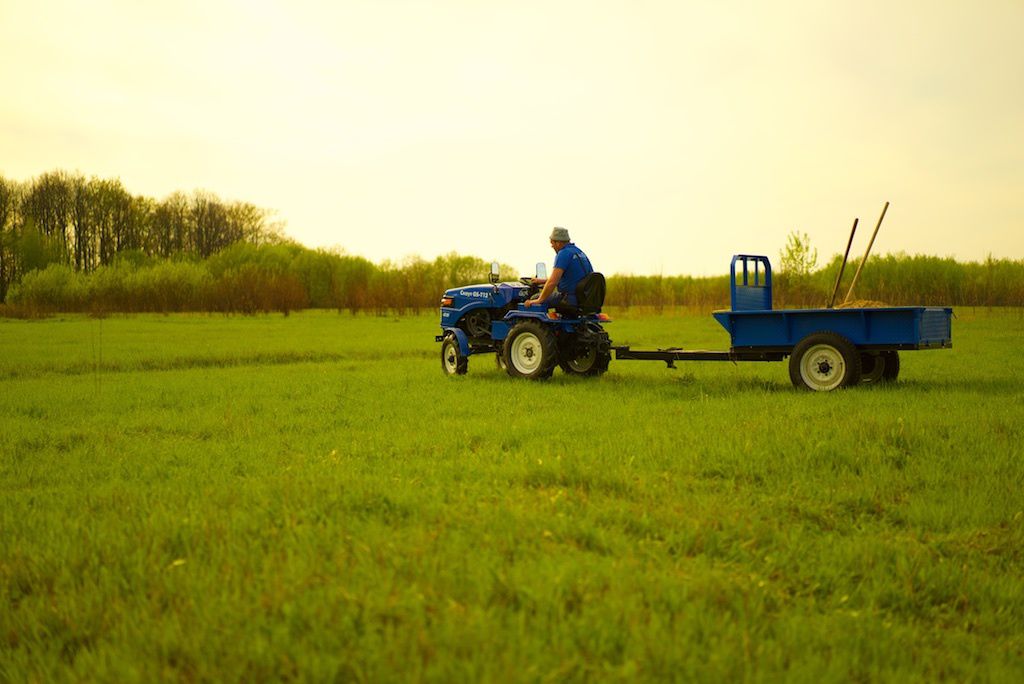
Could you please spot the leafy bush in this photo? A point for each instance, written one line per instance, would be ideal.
(171, 286)
(54, 288)
(252, 288)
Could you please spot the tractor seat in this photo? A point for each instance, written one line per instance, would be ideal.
(589, 297)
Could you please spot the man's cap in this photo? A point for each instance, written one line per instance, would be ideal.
(560, 234)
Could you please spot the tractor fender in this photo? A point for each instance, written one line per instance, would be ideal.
(537, 315)
(541, 316)
(460, 337)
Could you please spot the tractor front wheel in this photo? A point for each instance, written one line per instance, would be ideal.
(453, 362)
(530, 351)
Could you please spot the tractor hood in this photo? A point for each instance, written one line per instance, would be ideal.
(485, 295)
(501, 291)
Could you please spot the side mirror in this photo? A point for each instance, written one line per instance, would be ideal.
(542, 270)
(495, 271)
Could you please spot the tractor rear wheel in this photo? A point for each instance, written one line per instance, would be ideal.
(824, 361)
(452, 360)
(530, 351)
(592, 360)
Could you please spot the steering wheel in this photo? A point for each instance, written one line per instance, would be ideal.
(526, 280)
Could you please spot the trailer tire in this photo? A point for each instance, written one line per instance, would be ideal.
(453, 362)
(530, 351)
(879, 367)
(872, 367)
(824, 361)
(892, 365)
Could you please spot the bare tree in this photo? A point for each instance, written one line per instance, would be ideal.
(10, 200)
(83, 224)
(48, 204)
(140, 232)
(246, 222)
(170, 225)
(209, 218)
(121, 218)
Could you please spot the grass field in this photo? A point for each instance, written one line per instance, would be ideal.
(245, 499)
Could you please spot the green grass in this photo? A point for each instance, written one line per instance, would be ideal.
(244, 499)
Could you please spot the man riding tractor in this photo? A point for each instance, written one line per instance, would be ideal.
(571, 266)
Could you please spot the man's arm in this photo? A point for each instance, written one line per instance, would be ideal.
(549, 287)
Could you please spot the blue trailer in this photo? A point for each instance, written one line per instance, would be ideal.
(827, 348)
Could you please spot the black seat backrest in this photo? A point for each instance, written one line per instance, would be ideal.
(590, 293)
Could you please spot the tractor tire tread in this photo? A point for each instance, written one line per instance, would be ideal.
(461, 362)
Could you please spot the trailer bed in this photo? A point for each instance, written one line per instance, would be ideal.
(827, 348)
(892, 327)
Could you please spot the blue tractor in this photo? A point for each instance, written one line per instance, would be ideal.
(528, 342)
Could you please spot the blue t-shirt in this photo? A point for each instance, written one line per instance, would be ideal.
(574, 264)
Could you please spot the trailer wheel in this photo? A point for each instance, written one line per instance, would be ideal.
(452, 360)
(876, 367)
(892, 365)
(872, 367)
(530, 351)
(824, 361)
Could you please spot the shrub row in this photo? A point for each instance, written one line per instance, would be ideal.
(246, 278)
(899, 280)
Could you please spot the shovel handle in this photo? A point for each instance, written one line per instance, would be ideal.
(863, 261)
(842, 267)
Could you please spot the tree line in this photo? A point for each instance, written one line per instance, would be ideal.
(249, 278)
(86, 223)
(68, 243)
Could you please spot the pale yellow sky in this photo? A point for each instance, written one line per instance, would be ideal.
(665, 135)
